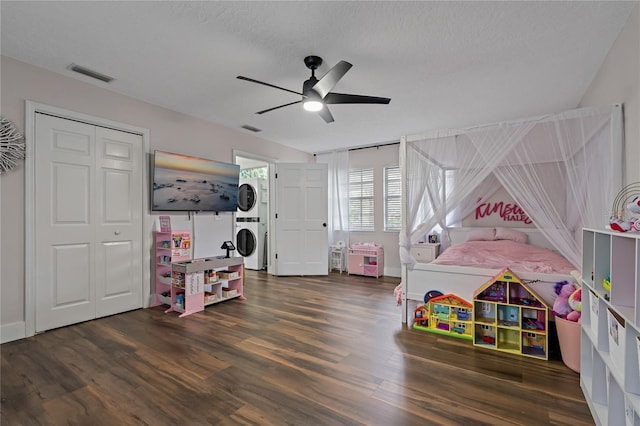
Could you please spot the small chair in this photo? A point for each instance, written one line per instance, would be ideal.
(337, 257)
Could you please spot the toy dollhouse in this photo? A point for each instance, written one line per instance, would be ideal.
(447, 314)
(508, 316)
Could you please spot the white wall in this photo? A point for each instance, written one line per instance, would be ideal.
(169, 131)
(378, 158)
(618, 81)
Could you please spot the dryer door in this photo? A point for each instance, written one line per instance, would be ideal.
(246, 242)
(247, 197)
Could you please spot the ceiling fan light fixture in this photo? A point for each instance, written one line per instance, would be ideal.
(312, 105)
(317, 93)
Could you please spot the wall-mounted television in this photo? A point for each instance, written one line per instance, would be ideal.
(185, 183)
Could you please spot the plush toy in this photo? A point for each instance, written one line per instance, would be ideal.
(397, 292)
(561, 307)
(574, 316)
(575, 300)
(633, 223)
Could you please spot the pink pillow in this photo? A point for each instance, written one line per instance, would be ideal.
(511, 234)
(482, 234)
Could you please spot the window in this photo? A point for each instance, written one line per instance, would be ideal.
(392, 199)
(256, 172)
(361, 200)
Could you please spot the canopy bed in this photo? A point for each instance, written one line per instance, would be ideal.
(562, 169)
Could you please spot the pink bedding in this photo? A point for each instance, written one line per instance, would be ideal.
(499, 254)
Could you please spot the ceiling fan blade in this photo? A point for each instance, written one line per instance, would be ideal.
(345, 98)
(326, 114)
(280, 106)
(267, 84)
(331, 78)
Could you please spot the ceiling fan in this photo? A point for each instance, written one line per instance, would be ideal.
(316, 94)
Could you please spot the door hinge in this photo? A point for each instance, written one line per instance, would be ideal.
(276, 215)
(276, 255)
(276, 176)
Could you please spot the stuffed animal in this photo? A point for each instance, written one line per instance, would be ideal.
(561, 307)
(574, 316)
(633, 223)
(575, 301)
(397, 292)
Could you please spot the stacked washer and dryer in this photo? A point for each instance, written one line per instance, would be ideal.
(251, 222)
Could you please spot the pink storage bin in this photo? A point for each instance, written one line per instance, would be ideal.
(371, 270)
(569, 340)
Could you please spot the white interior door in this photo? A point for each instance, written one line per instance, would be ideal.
(301, 219)
(88, 224)
(119, 221)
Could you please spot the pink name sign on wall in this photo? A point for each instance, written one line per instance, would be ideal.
(508, 212)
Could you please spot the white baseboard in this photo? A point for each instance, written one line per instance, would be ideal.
(13, 331)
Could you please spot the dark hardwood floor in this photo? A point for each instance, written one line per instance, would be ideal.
(299, 351)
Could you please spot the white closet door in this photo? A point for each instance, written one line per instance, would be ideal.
(119, 221)
(85, 190)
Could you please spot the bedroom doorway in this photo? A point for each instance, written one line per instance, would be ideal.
(251, 225)
(301, 194)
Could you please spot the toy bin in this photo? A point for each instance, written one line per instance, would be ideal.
(594, 310)
(229, 292)
(569, 340)
(228, 275)
(617, 337)
(371, 269)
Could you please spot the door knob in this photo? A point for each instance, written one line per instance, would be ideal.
(324, 224)
(117, 232)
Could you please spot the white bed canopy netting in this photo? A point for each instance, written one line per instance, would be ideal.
(563, 170)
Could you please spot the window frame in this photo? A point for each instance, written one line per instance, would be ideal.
(396, 196)
(359, 225)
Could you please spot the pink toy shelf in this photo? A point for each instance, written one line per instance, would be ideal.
(169, 246)
(366, 259)
(201, 282)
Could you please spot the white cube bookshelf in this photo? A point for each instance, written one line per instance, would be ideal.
(610, 343)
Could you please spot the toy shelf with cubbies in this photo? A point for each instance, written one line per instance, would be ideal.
(508, 316)
(366, 259)
(610, 326)
(201, 282)
(169, 246)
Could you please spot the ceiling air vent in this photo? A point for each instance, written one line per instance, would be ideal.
(91, 73)
(251, 128)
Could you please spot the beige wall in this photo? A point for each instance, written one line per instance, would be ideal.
(378, 158)
(618, 81)
(169, 131)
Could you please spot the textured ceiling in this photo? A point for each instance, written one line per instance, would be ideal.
(443, 64)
